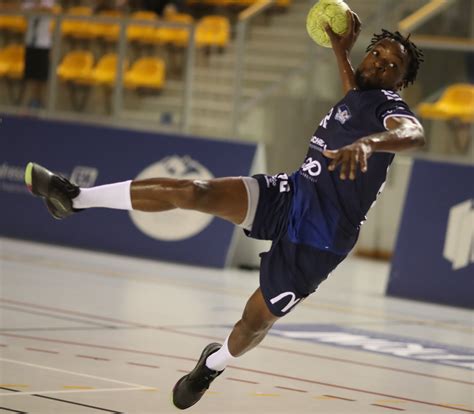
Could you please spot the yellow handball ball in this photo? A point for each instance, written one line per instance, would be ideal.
(323, 12)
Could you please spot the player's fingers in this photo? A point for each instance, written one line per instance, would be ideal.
(345, 161)
(330, 32)
(363, 161)
(330, 154)
(350, 18)
(358, 23)
(353, 169)
(335, 162)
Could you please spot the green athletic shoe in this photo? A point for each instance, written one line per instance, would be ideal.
(57, 191)
(190, 388)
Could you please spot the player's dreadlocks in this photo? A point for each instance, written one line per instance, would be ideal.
(416, 55)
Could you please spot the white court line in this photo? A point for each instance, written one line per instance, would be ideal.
(13, 361)
(15, 394)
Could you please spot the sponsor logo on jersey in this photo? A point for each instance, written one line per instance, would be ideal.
(459, 242)
(391, 95)
(311, 169)
(318, 144)
(280, 180)
(343, 114)
(174, 224)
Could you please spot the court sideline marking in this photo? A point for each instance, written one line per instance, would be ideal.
(172, 281)
(266, 373)
(272, 348)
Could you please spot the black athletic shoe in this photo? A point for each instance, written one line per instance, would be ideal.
(190, 388)
(56, 190)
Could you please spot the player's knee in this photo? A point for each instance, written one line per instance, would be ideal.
(195, 195)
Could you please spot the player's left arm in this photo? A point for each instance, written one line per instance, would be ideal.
(403, 133)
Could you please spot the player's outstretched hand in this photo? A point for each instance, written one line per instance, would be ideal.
(351, 157)
(346, 41)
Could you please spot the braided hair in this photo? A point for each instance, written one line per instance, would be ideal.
(415, 54)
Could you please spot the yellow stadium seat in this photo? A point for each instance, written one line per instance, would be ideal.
(457, 102)
(12, 61)
(78, 29)
(175, 35)
(283, 3)
(105, 71)
(142, 34)
(108, 31)
(146, 72)
(14, 24)
(213, 31)
(76, 67)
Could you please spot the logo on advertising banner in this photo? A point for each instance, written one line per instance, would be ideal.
(379, 342)
(12, 177)
(176, 224)
(459, 242)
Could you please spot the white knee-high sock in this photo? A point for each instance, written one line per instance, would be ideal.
(115, 195)
(220, 359)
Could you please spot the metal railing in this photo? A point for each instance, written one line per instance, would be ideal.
(121, 50)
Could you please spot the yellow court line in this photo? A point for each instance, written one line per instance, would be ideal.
(172, 281)
(77, 387)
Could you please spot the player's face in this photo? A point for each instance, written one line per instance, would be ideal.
(384, 66)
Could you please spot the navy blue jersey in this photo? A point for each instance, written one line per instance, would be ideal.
(326, 211)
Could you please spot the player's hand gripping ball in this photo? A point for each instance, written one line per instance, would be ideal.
(332, 12)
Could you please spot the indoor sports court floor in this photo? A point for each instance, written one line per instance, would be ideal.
(85, 332)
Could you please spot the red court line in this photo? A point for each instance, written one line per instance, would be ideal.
(272, 348)
(337, 398)
(387, 406)
(241, 380)
(290, 389)
(142, 365)
(93, 357)
(272, 374)
(42, 350)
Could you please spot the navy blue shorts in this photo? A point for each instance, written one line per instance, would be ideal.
(289, 272)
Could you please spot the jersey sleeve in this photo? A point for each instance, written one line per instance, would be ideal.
(390, 104)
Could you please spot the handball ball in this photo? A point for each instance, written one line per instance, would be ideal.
(332, 12)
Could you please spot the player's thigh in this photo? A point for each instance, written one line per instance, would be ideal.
(222, 197)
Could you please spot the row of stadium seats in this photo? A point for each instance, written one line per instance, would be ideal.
(78, 67)
(238, 3)
(210, 30)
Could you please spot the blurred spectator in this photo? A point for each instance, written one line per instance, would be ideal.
(38, 42)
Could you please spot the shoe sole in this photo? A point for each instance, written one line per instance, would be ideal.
(37, 179)
(29, 176)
